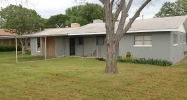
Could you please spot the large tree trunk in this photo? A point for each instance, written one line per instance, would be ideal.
(111, 63)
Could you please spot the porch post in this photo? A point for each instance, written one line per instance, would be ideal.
(45, 49)
(16, 50)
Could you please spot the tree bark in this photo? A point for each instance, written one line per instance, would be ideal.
(113, 37)
(111, 63)
(22, 46)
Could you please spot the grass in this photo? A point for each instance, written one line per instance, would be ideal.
(84, 79)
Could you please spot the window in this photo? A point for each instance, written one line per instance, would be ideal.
(181, 39)
(100, 40)
(28, 42)
(184, 39)
(143, 40)
(80, 41)
(38, 44)
(175, 40)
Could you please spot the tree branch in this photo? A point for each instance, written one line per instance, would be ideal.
(102, 1)
(112, 2)
(137, 14)
(116, 14)
(129, 5)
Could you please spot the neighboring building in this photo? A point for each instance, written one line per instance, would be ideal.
(6, 38)
(157, 38)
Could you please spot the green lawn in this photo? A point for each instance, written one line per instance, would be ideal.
(84, 79)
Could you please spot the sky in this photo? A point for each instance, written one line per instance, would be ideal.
(47, 8)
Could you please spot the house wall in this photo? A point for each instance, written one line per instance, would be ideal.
(63, 48)
(89, 45)
(60, 51)
(177, 51)
(160, 46)
(34, 47)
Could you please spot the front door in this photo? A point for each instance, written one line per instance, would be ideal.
(72, 46)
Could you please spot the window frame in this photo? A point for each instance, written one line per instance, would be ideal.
(143, 41)
(184, 39)
(177, 42)
(38, 38)
(181, 40)
(80, 40)
(97, 40)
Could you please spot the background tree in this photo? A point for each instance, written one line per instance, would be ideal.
(85, 14)
(169, 9)
(113, 8)
(56, 19)
(21, 21)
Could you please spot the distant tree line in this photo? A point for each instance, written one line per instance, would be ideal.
(82, 14)
(177, 8)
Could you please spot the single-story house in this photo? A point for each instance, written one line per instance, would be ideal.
(157, 38)
(6, 38)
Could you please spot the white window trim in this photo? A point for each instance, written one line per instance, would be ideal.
(175, 44)
(143, 41)
(142, 45)
(37, 45)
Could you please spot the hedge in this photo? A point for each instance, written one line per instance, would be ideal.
(9, 48)
(157, 62)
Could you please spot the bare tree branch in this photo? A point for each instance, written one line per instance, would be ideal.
(129, 5)
(136, 15)
(102, 1)
(116, 14)
(112, 2)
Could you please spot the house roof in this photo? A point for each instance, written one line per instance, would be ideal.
(51, 32)
(3, 33)
(141, 25)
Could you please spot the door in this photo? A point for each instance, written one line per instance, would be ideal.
(72, 46)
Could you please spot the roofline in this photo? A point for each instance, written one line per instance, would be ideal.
(85, 34)
(99, 33)
(159, 30)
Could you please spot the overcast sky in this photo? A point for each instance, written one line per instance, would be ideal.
(47, 8)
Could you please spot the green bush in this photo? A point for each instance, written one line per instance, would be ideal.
(9, 48)
(158, 62)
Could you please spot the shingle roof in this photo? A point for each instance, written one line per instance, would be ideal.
(158, 23)
(154, 24)
(51, 32)
(142, 25)
(3, 33)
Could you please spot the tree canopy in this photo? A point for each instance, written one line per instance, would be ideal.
(57, 19)
(169, 9)
(84, 14)
(20, 20)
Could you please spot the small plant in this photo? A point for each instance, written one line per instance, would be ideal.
(120, 59)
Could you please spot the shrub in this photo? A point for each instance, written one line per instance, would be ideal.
(158, 62)
(9, 48)
(120, 59)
